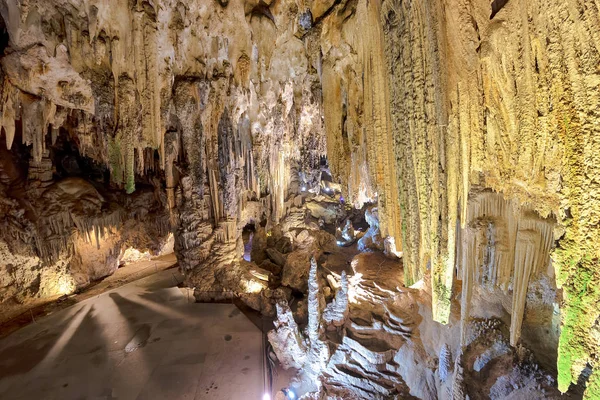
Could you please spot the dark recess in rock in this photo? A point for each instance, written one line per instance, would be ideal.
(497, 6)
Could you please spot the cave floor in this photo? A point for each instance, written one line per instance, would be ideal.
(143, 340)
(18, 316)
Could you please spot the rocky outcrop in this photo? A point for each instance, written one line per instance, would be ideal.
(202, 98)
(482, 96)
(388, 334)
(70, 236)
(285, 339)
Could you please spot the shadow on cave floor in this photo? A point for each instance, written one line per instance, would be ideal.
(31, 312)
(143, 340)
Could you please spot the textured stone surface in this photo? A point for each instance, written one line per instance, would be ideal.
(471, 124)
(498, 97)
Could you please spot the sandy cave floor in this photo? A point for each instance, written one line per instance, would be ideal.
(143, 340)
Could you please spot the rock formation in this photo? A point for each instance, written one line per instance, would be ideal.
(467, 129)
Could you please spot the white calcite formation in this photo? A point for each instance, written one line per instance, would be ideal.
(445, 363)
(336, 312)
(287, 343)
(372, 239)
(386, 347)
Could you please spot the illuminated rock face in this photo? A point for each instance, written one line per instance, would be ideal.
(480, 96)
(217, 105)
(471, 124)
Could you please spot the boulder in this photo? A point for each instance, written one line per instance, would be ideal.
(275, 235)
(315, 239)
(327, 211)
(260, 273)
(271, 267)
(298, 201)
(284, 245)
(259, 244)
(275, 256)
(302, 238)
(295, 271)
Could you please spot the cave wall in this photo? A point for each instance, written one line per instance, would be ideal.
(212, 107)
(486, 98)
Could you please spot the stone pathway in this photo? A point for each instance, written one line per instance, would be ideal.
(16, 317)
(140, 341)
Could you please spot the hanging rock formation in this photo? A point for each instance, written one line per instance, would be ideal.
(495, 96)
(468, 127)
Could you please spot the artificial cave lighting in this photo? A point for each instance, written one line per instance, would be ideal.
(66, 285)
(402, 196)
(131, 255)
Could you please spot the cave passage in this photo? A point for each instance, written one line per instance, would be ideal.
(283, 199)
(132, 344)
(247, 236)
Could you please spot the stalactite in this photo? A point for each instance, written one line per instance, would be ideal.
(469, 248)
(526, 252)
(425, 104)
(378, 126)
(512, 118)
(215, 195)
(425, 147)
(280, 178)
(9, 111)
(127, 135)
(227, 231)
(147, 77)
(503, 245)
(115, 161)
(34, 131)
(227, 161)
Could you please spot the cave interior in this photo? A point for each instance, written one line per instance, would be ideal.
(314, 199)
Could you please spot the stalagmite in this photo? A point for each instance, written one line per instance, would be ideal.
(445, 363)
(314, 312)
(285, 339)
(336, 312)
